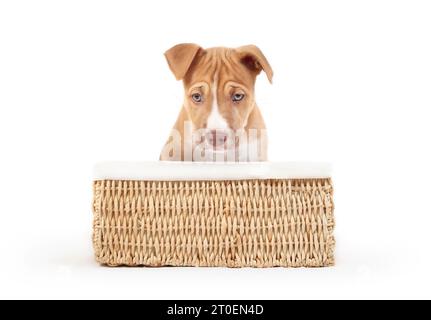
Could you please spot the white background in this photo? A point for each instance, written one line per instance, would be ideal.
(85, 81)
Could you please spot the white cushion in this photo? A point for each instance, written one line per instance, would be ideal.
(192, 171)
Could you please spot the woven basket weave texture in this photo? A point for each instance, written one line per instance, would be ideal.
(239, 223)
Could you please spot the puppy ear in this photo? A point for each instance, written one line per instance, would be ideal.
(253, 58)
(180, 58)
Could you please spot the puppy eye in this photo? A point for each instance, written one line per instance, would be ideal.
(197, 97)
(237, 97)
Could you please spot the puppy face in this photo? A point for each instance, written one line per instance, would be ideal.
(218, 86)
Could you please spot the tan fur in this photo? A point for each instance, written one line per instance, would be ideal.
(232, 71)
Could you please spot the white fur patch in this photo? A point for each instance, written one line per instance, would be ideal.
(215, 119)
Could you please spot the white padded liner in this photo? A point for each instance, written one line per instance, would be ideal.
(194, 171)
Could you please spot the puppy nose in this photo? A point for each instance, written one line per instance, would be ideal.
(216, 138)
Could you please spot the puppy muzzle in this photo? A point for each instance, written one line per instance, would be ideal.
(217, 139)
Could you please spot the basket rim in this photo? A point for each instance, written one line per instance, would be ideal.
(201, 171)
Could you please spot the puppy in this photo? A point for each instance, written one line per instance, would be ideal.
(219, 119)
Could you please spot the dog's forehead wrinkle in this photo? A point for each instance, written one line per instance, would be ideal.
(233, 70)
(222, 61)
(219, 56)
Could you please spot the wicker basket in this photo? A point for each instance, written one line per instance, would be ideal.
(213, 215)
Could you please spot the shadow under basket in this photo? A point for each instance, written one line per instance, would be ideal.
(213, 214)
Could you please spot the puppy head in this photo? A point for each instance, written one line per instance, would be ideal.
(219, 85)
